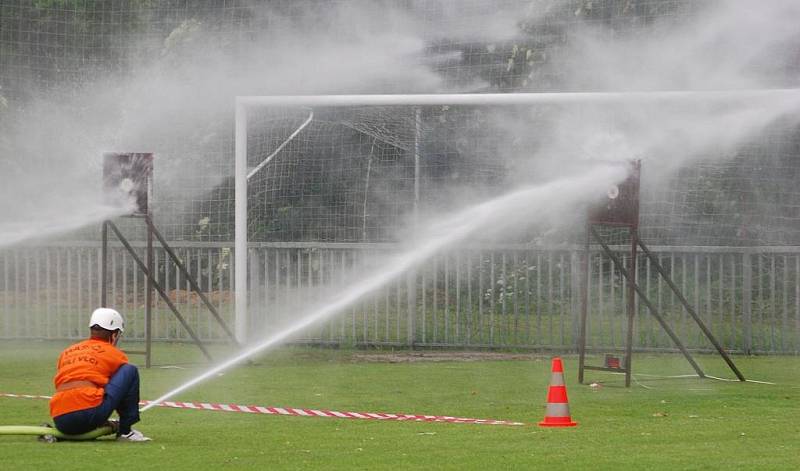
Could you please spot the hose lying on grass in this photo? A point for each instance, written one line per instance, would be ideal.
(41, 430)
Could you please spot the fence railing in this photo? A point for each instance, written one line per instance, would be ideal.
(490, 297)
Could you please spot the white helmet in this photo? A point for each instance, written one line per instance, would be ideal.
(108, 319)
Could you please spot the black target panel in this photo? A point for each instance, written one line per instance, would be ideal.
(621, 206)
(127, 177)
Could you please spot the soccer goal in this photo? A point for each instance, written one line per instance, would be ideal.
(369, 141)
(358, 168)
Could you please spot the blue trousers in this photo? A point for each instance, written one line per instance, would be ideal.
(121, 395)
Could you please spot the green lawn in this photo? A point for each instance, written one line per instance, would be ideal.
(656, 424)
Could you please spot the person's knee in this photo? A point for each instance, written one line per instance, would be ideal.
(125, 377)
(130, 370)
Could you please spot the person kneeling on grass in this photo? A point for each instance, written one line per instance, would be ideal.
(94, 379)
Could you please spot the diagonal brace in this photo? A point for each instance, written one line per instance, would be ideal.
(158, 288)
(653, 310)
(193, 283)
(692, 312)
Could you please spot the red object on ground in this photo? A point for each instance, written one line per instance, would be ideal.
(612, 361)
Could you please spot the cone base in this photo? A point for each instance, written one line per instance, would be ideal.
(550, 423)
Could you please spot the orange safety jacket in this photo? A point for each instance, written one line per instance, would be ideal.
(92, 360)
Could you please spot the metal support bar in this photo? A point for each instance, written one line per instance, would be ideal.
(240, 224)
(747, 302)
(195, 287)
(630, 307)
(584, 310)
(268, 158)
(692, 312)
(649, 305)
(159, 289)
(104, 266)
(606, 368)
(148, 312)
(411, 307)
(104, 291)
(255, 291)
(518, 99)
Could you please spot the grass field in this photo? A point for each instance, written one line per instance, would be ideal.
(659, 423)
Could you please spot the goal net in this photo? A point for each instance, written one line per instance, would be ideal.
(363, 169)
(354, 174)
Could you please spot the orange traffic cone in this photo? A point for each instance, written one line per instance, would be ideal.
(557, 412)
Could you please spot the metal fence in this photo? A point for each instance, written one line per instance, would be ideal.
(491, 297)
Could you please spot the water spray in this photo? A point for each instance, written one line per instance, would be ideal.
(547, 200)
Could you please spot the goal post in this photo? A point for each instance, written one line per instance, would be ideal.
(245, 105)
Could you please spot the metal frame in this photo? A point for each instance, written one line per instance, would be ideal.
(631, 221)
(147, 268)
(630, 305)
(143, 211)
